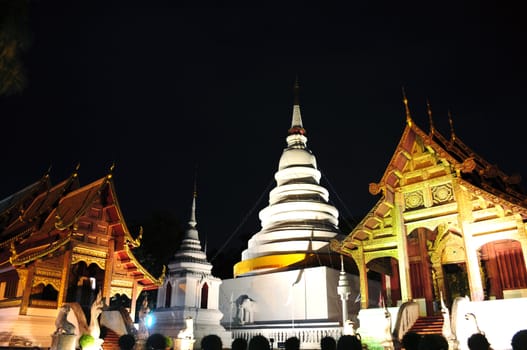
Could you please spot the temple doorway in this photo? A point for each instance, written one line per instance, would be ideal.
(456, 282)
(385, 270)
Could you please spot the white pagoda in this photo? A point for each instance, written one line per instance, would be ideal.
(285, 284)
(190, 291)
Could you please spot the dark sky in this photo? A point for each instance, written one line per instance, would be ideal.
(159, 88)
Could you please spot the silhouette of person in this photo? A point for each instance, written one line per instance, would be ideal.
(239, 344)
(519, 340)
(410, 340)
(211, 342)
(292, 343)
(156, 341)
(126, 342)
(433, 342)
(259, 342)
(478, 341)
(328, 343)
(349, 342)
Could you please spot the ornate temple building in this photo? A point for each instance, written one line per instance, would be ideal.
(447, 224)
(60, 244)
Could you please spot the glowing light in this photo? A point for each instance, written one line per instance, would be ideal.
(149, 320)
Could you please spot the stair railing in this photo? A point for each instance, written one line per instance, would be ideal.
(406, 316)
(455, 308)
(447, 330)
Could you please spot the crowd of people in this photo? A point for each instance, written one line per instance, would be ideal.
(410, 341)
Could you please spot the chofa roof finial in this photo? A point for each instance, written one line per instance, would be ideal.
(407, 109)
(430, 119)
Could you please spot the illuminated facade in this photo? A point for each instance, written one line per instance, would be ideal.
(447, 223)
(61, 244)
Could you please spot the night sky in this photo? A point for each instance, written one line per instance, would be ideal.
(168, 92)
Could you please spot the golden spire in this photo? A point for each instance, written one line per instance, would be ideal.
(112, 168)
(430, 120)
(76, 170)
(407, 109)
(451, 122)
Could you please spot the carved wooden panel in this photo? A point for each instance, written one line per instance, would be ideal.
(414, 200)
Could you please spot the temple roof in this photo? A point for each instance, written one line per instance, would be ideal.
(14, 205)
(438, 156)
(52, 218)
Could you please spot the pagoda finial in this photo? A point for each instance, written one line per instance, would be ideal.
(430, 120)
(192, 221)
(296, 92)
(451, 122)
(407, 109)
(296, 122)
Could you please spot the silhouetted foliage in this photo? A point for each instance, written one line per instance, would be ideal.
(162, 235)
(14, 39)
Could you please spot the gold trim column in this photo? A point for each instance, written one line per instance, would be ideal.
(27, 289)
(64, 280)
(136, 291)
(22, 279)
(402, 246)
(472, 259)
(522, 237)
(358, 256)
(108, 271)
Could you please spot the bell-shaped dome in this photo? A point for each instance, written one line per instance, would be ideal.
(298, 220)
(297, 157)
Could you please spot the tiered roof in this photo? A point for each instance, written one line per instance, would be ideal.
(440, 156)
(40, 219)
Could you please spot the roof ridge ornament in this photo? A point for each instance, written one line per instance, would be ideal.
(76, 170)
(430, 119)
(110, 173)
(406, 108)
(451, 122)
(48, 171)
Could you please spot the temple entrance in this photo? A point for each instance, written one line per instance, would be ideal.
(456, 282)
(385, 270)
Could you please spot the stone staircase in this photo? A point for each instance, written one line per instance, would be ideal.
(111, 340)
(428, 325)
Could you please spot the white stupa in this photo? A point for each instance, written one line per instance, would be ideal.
(298, 220)
(190, 291)
(284, 285)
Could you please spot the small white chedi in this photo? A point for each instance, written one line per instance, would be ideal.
(187, 302)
